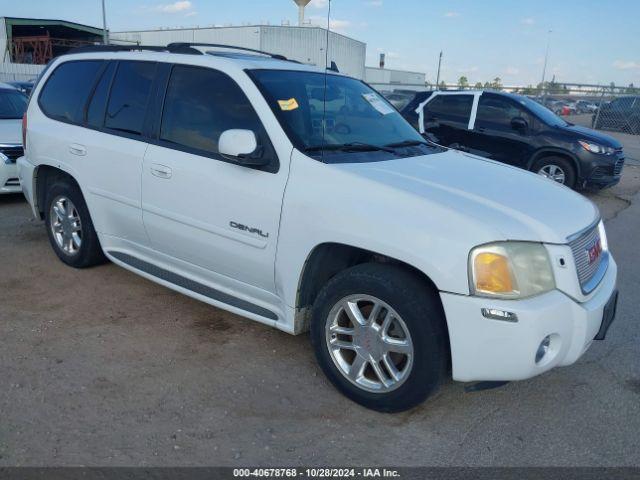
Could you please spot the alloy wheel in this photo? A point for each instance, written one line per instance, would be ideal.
(66, 225)
(553, 172)
(369, 343)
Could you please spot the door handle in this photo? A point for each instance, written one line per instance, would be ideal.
(160, 171)
(77, 149)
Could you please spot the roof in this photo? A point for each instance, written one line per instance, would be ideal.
(6, 86)
(10, 21)
(238, 61)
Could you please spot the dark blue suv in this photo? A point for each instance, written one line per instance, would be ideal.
(518, 131)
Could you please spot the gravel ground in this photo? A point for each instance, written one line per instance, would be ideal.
(102, 367)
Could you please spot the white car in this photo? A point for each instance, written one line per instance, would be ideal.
(12, 106)
(300, 198)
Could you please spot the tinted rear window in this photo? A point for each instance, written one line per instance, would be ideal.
(451, 106)
(12, 104)
(67, 90)
(95, 112)
(129, 96)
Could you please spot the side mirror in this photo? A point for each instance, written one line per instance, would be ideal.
(241, 146)
(519, 123)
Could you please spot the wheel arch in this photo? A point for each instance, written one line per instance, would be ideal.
(556, 152)
(44, 175)
(330, 258)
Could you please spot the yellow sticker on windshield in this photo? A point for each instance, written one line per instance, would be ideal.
(288, 105)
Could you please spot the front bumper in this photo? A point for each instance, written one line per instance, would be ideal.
(601, 172)
(9, 178)
(485, 349)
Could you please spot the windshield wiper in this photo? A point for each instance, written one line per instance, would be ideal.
(350, 147)
(407, 143)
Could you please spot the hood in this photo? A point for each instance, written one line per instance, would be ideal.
(514, 203)
(11, 131)
(584, 133)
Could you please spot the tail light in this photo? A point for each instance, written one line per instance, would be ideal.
(24, 131)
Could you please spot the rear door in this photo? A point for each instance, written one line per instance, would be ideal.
(446, 117)
(203, 209)
(494, 135)
(114, 145)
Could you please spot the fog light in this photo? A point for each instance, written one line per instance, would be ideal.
(543, 349)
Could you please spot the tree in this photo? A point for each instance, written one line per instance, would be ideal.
(497, 83)
(443, 86)
(478, 86)
(463, 82)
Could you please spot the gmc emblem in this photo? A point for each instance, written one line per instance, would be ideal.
(594, 251)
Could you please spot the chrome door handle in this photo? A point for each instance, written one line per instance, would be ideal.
(161, 171)
(77, 149)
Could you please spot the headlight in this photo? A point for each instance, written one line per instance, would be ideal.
(603, 237)
(510, 270)
(596, 148)
(4, 158)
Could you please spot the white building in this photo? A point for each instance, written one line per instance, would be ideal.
(305, 44)
(388, 79)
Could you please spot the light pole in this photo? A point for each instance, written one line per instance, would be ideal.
(438, 76)
(105, 34)
(546, 57)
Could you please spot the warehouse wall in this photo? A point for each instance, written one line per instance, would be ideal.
(304, 44)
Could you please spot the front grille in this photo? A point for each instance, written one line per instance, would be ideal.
(580, 247)
(13, 152)
(617, 169)
(12, 182)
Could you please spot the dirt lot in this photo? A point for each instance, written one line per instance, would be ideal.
(101, 367)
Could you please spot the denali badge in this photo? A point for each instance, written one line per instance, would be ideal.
(244, 228)
(594, 251)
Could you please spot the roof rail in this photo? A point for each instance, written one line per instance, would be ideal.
(177, 48)
(230, 47)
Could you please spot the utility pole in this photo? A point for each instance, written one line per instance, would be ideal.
(105, 34)
(438, 77)
(546, 57)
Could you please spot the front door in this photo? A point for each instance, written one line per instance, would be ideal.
(494, 134)
(199, 207)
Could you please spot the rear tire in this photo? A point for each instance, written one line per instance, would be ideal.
(558, 169)
(371, 370)
(69, 226)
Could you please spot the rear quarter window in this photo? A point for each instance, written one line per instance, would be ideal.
(67, 89)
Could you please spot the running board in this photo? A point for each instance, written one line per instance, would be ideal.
(192, 285)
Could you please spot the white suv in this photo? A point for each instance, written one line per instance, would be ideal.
(301, 199)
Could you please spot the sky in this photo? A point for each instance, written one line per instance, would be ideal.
(591, 41)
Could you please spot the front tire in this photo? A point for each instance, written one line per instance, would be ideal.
(379, 335)
(558, 169)
(69, 226)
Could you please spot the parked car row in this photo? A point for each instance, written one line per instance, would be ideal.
(300, 198)
(518, 131)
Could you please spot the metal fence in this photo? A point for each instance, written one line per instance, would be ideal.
(19, 72)
(609, 107)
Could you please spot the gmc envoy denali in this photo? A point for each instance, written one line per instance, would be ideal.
(300, 198)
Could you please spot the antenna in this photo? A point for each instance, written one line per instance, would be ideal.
(301, 6)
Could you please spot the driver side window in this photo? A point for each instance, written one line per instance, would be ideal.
(499, 112)
(200, 104)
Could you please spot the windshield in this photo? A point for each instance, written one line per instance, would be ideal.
(343, 120)
(12, 104)
(543, 113)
